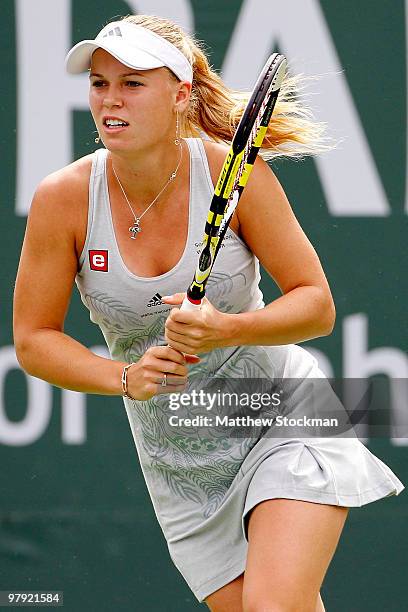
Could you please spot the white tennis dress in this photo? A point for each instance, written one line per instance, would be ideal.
(202, 483)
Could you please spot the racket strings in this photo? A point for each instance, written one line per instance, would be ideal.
(234, 196)
(254, 132)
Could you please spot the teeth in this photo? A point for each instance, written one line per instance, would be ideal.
(114, 122)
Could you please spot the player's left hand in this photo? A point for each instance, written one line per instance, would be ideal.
(197, 331)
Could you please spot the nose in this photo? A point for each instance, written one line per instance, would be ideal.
(112, 98)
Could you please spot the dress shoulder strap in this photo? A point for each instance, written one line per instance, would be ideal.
(96, 196)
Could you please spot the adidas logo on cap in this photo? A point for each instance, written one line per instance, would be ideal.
(113, 32)
(155, 301)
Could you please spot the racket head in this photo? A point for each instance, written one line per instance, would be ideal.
(268, 82)
(241, 156)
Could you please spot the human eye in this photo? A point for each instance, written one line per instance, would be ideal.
(97, 83)
(133, 84)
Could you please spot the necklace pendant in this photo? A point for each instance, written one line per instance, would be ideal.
(135, 229)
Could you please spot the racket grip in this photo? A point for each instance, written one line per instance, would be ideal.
(187, 305)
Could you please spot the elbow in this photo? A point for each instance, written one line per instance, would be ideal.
(23, 347)
(328, 316)
(21, 350)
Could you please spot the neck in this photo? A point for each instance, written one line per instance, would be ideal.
(142, 176)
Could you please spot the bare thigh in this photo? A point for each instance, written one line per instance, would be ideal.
(291, 544)
(229, 598)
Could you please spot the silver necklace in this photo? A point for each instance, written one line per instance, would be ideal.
(135, 228)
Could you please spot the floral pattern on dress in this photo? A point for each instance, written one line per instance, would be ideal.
(196, 464)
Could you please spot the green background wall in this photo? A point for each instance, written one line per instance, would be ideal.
(74, 512)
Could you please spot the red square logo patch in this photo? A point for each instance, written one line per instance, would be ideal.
(98, 260)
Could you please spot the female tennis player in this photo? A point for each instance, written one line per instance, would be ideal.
(252, 523)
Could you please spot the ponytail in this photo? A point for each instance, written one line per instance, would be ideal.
(215, 109)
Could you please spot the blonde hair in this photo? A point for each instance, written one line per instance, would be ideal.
(216, 109)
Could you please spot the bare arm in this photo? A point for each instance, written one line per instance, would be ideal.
(306, 309)
(45, 278)
(44, 284)
(267, 224)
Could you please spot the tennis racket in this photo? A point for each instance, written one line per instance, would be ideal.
(235, 172)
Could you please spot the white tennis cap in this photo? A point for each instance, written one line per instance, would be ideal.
(132, 45)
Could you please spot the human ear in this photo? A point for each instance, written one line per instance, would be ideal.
(182, 96)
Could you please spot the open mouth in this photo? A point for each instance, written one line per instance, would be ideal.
(114, 123)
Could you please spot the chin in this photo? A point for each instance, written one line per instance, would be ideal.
(115, 144)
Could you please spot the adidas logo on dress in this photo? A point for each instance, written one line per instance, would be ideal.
(155, 301)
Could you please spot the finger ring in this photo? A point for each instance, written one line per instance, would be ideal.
(164, 381)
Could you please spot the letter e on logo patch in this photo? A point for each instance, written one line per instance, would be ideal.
(98, 260)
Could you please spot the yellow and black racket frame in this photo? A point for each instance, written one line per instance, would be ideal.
(236, 170)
